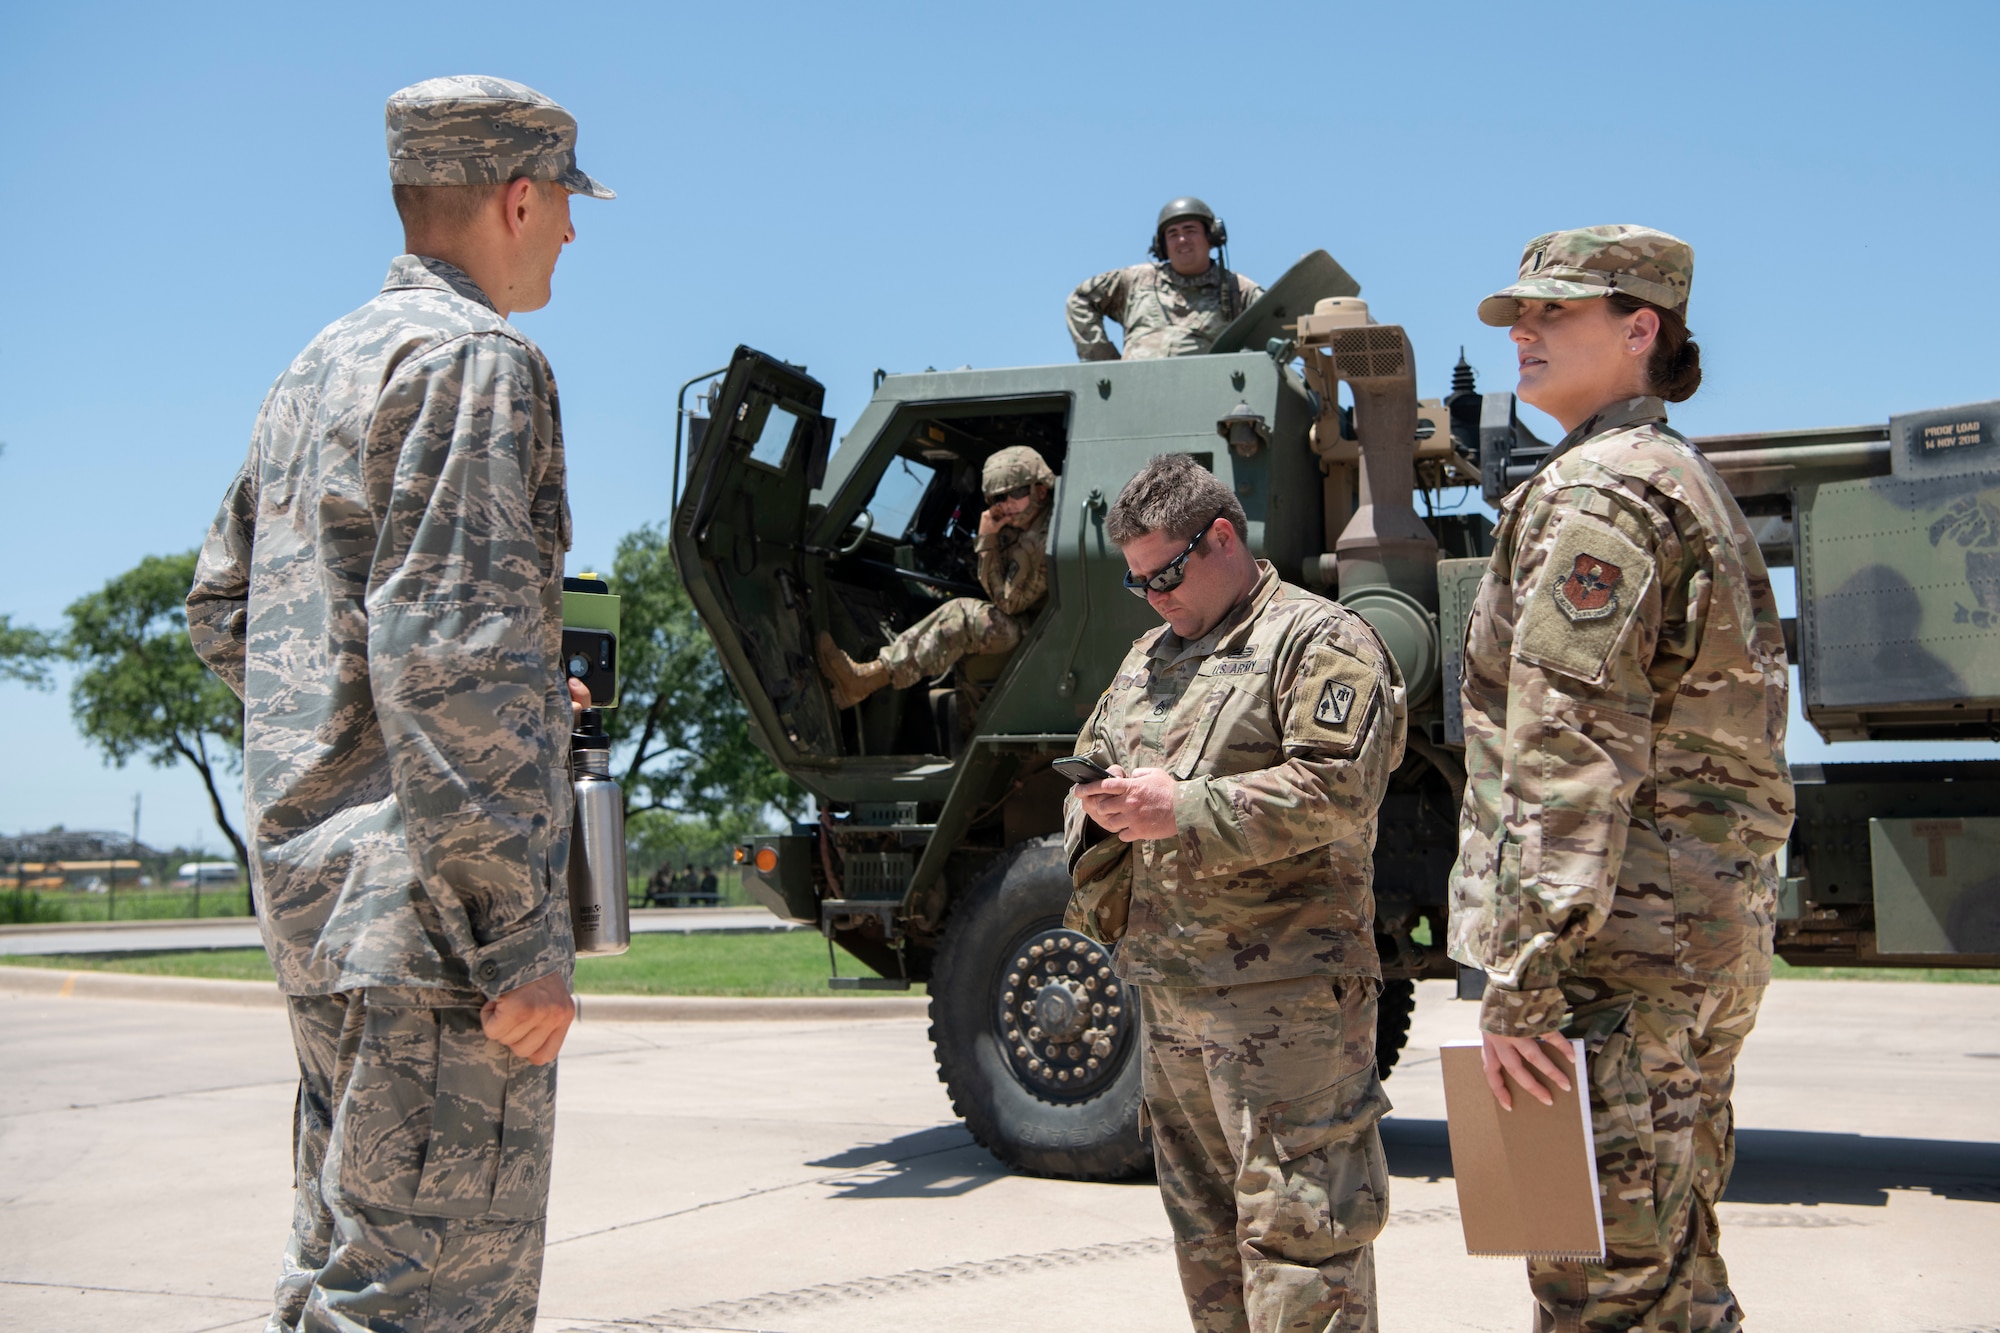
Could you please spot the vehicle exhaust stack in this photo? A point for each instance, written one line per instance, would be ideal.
(1384, 543)
(1385, 557)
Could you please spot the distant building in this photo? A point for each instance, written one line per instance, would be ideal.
(61, 844)
(71, 858)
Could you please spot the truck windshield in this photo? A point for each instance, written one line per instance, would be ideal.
(898, 494)
(776, 437)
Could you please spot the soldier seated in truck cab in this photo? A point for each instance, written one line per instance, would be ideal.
(1175, 306)
(1013, 535)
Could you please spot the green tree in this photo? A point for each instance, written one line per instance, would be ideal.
(654, 838)
(25, 654)
(682, 733)
(140, 691)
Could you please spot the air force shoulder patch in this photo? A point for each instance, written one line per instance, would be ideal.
(1590, 590)
(1336, 701)
(1595, 580)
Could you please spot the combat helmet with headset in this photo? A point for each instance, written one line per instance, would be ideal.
(1187, 206)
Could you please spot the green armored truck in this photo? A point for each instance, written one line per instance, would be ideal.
(936, 856)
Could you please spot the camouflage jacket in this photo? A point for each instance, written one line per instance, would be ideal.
(1014, 564)
(1162, 313)
(1282, 726)
(1625, 702)
(383, 588)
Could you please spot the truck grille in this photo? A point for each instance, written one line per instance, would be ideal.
(880, 814)
(877, 874)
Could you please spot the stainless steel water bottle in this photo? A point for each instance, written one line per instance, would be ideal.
(599, 913)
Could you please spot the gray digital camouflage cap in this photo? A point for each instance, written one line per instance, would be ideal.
(1016, 465)
(473, 129)
(1597, 261)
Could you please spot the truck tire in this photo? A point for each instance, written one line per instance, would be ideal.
(1036, 1039)
(1392, 1023)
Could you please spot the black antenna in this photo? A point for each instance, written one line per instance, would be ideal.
(1461, 374)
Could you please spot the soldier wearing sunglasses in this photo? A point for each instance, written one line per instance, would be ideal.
(1013, 568)
(1250, 739)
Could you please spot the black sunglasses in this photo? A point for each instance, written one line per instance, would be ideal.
(1018, 493)
(1168, 576)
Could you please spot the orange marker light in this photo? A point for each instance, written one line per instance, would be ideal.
(767, 859)
(739, 854)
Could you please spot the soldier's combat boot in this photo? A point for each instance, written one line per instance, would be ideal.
(852, 681)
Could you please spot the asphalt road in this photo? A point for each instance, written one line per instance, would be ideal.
(808, 1177)
(241, 932)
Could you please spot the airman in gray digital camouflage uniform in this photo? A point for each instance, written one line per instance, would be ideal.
(1175, 306)
(1013, 568)
(383, 587)
(1231, 858)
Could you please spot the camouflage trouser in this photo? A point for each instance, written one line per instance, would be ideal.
(423, 1169)
(1263, 1101)
(962, 627)
(1662, 1066)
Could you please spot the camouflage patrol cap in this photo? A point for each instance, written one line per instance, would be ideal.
(473, 129)
(1597, 261)
(1016, 465)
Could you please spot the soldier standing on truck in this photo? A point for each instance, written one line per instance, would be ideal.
(1013, 568)
(1251, 739)
(383, 588)
(1626, 787)
(1174, 306)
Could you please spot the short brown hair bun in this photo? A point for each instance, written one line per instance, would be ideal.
(1673, 371)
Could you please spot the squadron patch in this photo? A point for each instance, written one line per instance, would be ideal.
(1595, 580)
(1336, 700)
(1589, 592)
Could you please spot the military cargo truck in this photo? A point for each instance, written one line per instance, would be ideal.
(936, 853)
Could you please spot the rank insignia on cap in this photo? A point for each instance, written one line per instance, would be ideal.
(1590, 590)
(1335, 702)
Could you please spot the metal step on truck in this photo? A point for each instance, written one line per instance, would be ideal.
(936, 856)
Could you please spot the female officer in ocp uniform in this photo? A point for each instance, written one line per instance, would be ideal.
(1626, 789)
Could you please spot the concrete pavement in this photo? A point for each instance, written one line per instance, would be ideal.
(241, 932)
(809, 1178)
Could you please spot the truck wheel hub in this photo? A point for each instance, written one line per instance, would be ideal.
(1058, 1010)
(1063, 1016)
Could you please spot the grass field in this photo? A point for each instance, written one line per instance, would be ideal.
(1979, 976)
(766, 963)
(750, 964)
(49, 906)
(1781, 968)
(23, 907)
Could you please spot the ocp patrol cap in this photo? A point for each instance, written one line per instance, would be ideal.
(1597, 261)
(474, 129)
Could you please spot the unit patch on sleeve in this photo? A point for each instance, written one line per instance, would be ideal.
(1594, 582)
(1332, 701)
(1336, 699)
(1590, 592)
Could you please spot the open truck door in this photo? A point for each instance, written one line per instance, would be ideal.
(739, 541)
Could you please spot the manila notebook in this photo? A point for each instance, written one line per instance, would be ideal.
(1527, 1178)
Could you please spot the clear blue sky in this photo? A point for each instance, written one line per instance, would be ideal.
(193, 191)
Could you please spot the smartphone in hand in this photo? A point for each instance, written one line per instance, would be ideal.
(1080, 770)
